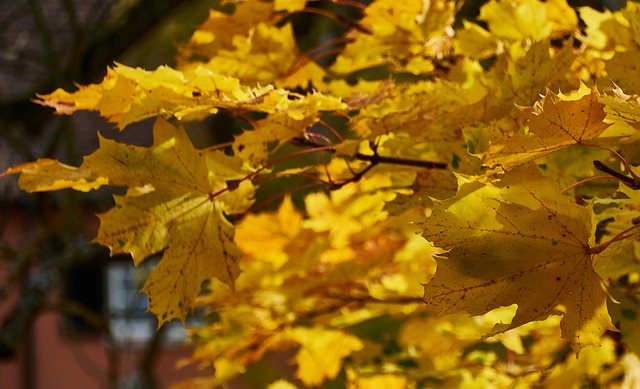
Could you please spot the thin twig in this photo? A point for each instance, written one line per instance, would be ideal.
(375, 158)
(619, 236)
(565, 190)
(628, 181)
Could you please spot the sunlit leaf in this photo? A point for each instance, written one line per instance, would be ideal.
(521, 242)
(553, 124)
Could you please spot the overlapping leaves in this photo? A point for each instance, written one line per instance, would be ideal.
(519, 242)
(512, 246)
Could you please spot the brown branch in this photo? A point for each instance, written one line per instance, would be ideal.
(628, 181)
(375, 158)
(337, 18)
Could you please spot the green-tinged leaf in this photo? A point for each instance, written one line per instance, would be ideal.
(520, 242)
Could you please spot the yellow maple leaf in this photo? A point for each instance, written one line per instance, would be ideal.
(289, 5)
(529, 19)
(553, 124)
(46, 175)
(387, 381)
(218, 31)
(476, 42)
(281, 384)
(530, 72)
(606, 31)
(622, 110)
(266, 236)
(322, 353)
(405, 35)
(440, 106)
(247, 45)
(288, 118)
(623, 67)
(128, 95)
(173, 206)
(521, 242)
(268, 55)
(181, 215)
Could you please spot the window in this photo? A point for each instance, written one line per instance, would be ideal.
(127, 307)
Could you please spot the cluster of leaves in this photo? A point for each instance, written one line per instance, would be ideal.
(483, 168)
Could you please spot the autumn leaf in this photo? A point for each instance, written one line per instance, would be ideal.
(248, 45)
(528, 19)
(172, 206)
(623, 111)
(48, 174)
(218, 31)
(406, 36)
(520, 242)
(427, 111)
(476, 42)
(268, 55)
(529, 73)
(553, 124)
(335, 277)
(388, 381)
(289, 119)
(127, 95)
(289, 5)
(322, 352)
(181, 216)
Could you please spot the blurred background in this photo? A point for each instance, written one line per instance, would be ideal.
(70, 316)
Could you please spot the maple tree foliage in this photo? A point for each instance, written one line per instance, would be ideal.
(483, 168)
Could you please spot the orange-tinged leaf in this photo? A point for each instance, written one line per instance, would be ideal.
(266, 236)
(553, 124)
(521, 242)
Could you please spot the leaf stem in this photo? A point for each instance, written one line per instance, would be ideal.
(565, 190)
(371, 299)
(330, 128)
(630, 182)
(619, 236)
(350, 3)
(633, 182)
(335, 17)
(250, 176)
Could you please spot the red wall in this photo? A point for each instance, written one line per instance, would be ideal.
(58, 362)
